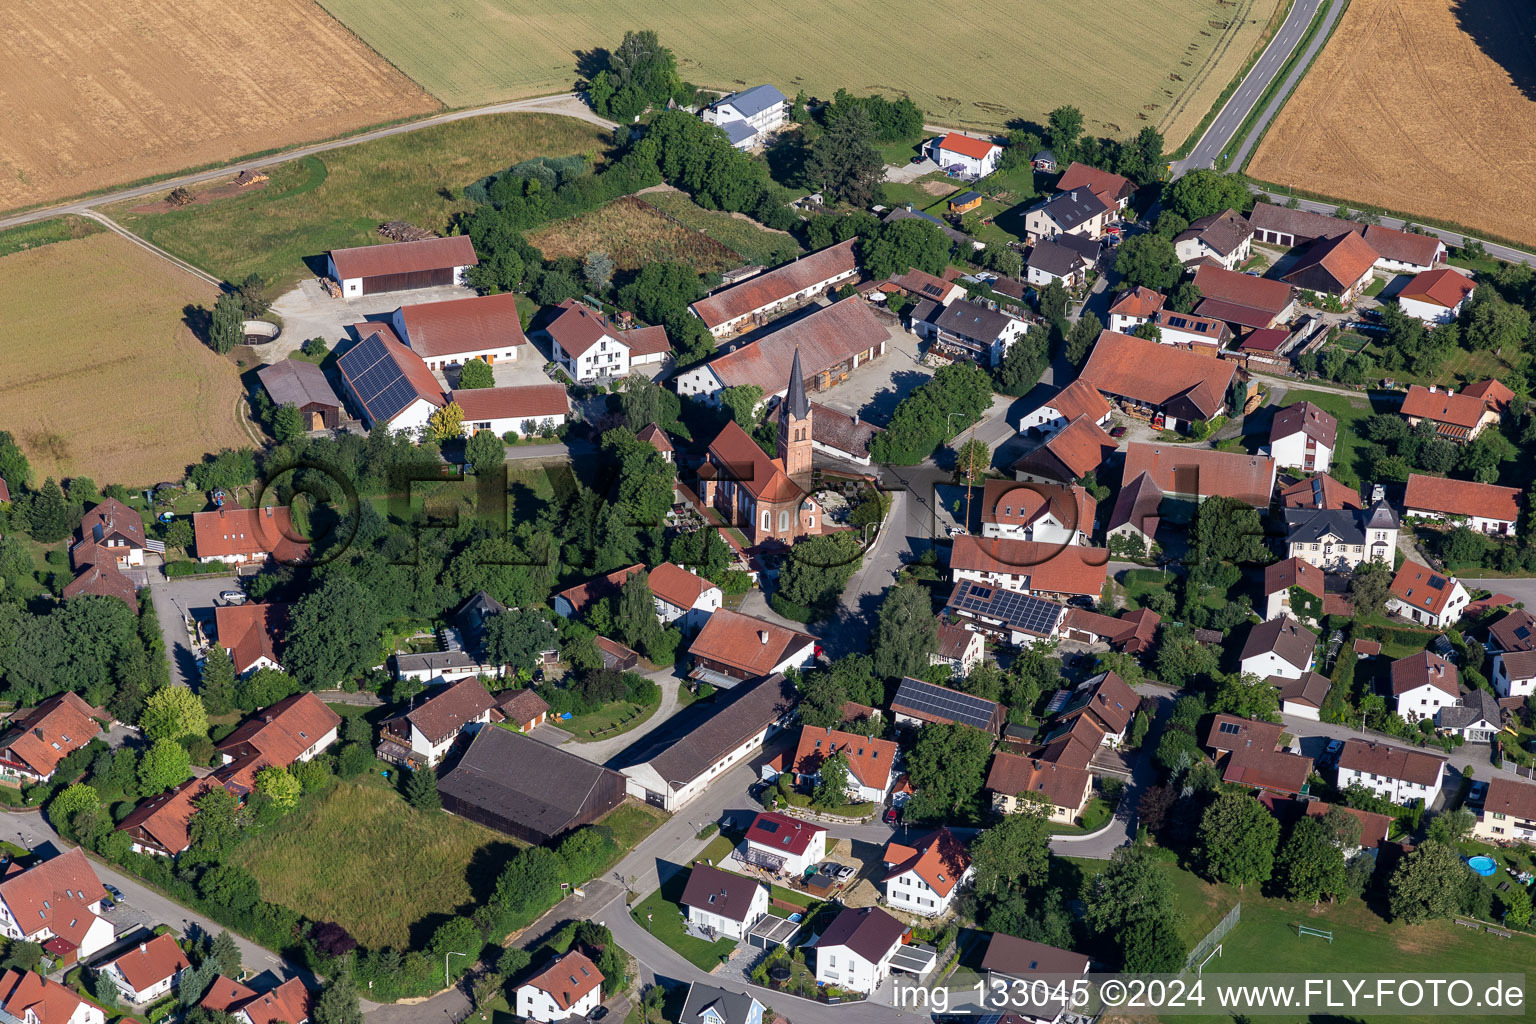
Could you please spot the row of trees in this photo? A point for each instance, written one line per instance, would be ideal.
(957, 396)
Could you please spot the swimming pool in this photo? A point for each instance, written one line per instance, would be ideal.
(1484, 866)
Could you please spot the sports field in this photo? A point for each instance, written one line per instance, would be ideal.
(341, 197)
(979, 63)
(102, 378)
(96, 93)
(1424, 106)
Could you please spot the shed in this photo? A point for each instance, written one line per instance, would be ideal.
(303, 385)
(401, 266)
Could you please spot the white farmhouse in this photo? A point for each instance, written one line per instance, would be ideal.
(523, 410)
(1487, 508)
(721, 905)
(1394, 773)
(871, 762)
(569, 987)
(748, 116)
(923, 879)
(389, 383)
(1134, 307)
(1437, 296)
(1303, 437)
(149, 970)
(1048, 513)
(683, 598)
(1278, 647)
(1076, 399)
(1514, 673)
(586, 344)
(1422, 684)
(30, 998)
(451, 333)
(788, 846)
(1225, 237)
(855, 951)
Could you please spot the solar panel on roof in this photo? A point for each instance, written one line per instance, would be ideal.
(768, 826)
(1023, 611)
(368, 351)
(946, 704)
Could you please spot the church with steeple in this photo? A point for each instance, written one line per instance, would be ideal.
(767, 498)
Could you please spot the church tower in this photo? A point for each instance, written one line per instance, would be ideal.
(795, 429)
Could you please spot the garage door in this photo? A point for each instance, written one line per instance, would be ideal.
(402, 282)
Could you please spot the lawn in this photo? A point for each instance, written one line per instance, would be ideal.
(634, 233)
(610, 721)
(1136, 584)
(46, 232)
(320, 203)
(1095, 815)
(103, 379)
(631, 822)
(737, 232)
(361, 856)
(1350, 412)
(661, 915)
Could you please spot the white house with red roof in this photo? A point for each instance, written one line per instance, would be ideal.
(1436, 296)
(683, 598)
(1134, 307)
(923, 879)
(589, 347)
(759, 298)
(453, 332)
(524, 410)
(34, 742)
(1047, 513)
(246, 535)
(388, 383)
(1079, 398)
(401, 266)
(28, 998)
(1395, 773)
(871, 761)
(778, 843)
(965, 156)
(1488, 508)
(1422, 684)
(250, 633)
(149, 970)
(1423, 595)
(57, 904)
(572, 986)
(288, 1003)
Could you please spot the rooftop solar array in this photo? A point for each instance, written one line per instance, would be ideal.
(1021, 611)
(377, 379)
(949, 705)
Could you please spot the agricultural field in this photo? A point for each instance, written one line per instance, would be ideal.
(1159, 62)
(103, 379)
(736, 231)
(1422, 106)
(94, 94)
(633, 233)
(340, 198)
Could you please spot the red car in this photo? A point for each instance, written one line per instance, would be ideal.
(892, 816)
(1117, 432)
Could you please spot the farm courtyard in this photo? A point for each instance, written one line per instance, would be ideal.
(94, 94)
(1423, 104)
(102, 377)
(975, 63)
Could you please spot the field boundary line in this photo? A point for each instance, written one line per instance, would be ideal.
(180, 264)
(1224, 97)
(1257, 127)
(1235, 25)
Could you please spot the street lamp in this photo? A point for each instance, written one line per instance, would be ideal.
(445, 965)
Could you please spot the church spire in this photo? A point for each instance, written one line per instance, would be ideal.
(799, 406)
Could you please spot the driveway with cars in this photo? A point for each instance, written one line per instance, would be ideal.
(179, 600)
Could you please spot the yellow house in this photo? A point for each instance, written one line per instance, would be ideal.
(1014, 778)
(1509, 812)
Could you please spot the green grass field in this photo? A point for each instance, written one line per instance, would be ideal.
(316, 204)
(750, 240)
(1350, 412)
(46, 232)
(634, 234)
(361, 856)
(978, 62)
(613, 720)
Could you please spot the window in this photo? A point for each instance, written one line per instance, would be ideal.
(767, 520)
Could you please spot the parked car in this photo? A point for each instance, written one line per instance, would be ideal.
(1334, 747)
(918, 159)
(115, 893)
(598, 1014)
(232, 596)
(892, 815)
(1117, 432)
(845, 871)
(107, 906)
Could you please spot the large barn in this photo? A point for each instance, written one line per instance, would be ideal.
(401, 266)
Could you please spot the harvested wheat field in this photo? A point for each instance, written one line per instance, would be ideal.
(1423, 106)
(102, 377)
(96, 93)
(633, 233)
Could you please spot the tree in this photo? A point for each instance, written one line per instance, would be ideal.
(287, 423)
(1184, 297)
(279, 786)
(1246, 696)
(1515, 905)
(421, 790)
(1369, 588)
(972, 460)
(216, 825)
(334, 632)
(48, 514)
(1148, 260)
(597, 271)
(1014, 854)
(225, 952)
(72, 801)
(517, 641)
(899, 245)
(226, 328)
(1490, 323)
(1023, 364)
(819, 568)
(218, 684)
(1482, 456)
(906, 631)
(172, 712)
(832, 781)
(1084, 333)
(338, 1002)
(15, 470)
(446, 423)
(1205, 192)
(253, 296)
(1130, 896)
(742, 401)
(1053, 301)
(1426, 884)
(635, 618)
(485, 452)
(165, 764)
(477, 373)
(947, 767)
(1239, 836)
(1451, 827)
(1148, 330)
(1311, 865)
(844, 162)
(1065, 125)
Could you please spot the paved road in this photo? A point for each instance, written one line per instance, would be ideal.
(1521, 588)
(568, 104)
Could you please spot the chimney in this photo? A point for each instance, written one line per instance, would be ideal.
(762, 636)
(855, 419)
(269, 511)
(143, 948)
(909, 207)
(1074, 195)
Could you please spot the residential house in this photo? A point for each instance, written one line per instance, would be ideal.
(574, 602)
(1078, 212)
(109, 554)
(1114, 190)
(451, 333)
(856, 949)
(1225, 237)
(302, 384)
(28, 998)
(401, 266)
(919, 703)
(969, 330)
(1203, 334)
(1030, 567)
(731, 647)
(289, 1001)
(749, 116)
(1167, 384)
(1458, 417)
(1134, 307)
(755, 301)
(1319, 491)
(1404, 252)
(586, 344)
(1070, 454)
(420, 737)
(434, 667)
(1008, 616)
(778, 843)
(682, 597)
(1508, 812)
(1131, 632)
(571, 986)
(57, 904)
(389, 383)
(1278, 647)
(959, 648)
(1514, 673)
(1342, 266)
(964, 156)
(1338, 540)
(919, 284)
(35, 741)
(721, 905)
(1513, 631)
(1033, 972)
(871, 762)
(1048, 262)
(1394, 773)
(1049, 513)
(1423, 595)
(657, 438)
(149, 970)
(1076, 399)
(1245, 302)
(1016, 782)
(1248, 754)
(1486, 508)
(1303, 697)
(1108, 701)
(1436, 296)
(524, 709)
(1423, 683)
(1304, 437)
(1134, 521)
(251, 634)
(1281, 577)
(721, 735)
(1191, 474)
(247, 535)
(525, 410)
(706, 1004)
(924, 878)
(1476, 717)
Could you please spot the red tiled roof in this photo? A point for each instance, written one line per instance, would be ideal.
(1156, 374)
(56, 895)
(249, 632)
(1016, 775)
(103, 579)
(1050, 568)
(1443, 287)
(1420, 587)
(1508, 797)
(453, 707)
(1182, 469)
(111, 519)
(747, 464)
(522, 707)
(1403, 246)
(1457, 410)
(1394, 762)
(869, 759)
(1425, 668)
(532, 401)
(1080, 398)
(825, 338)
(677, 586)
(404, 257)
(731, 638)
(225, 993)
(152, 962)
(976, 149)
(1461, 498)
(1138, 301)
(44, 736)
(656, 437)
(247, 531)
(475, 324)
(283, 731)
(1293, 572)
(578, 327)
(1009, 503)
(955, 640)
(1491, 391)
(407, 362)
(289, 1003)
(1110, 188)
(938, 858)
(776, 285)
(1321, 491)
(23, 993)
(1344, 258)
(1373, 826)
(1266, 339)
(1515, 631)
(782, 833)
(646, 341)
(1080, 447)
(583, 594)
(1241, 289)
